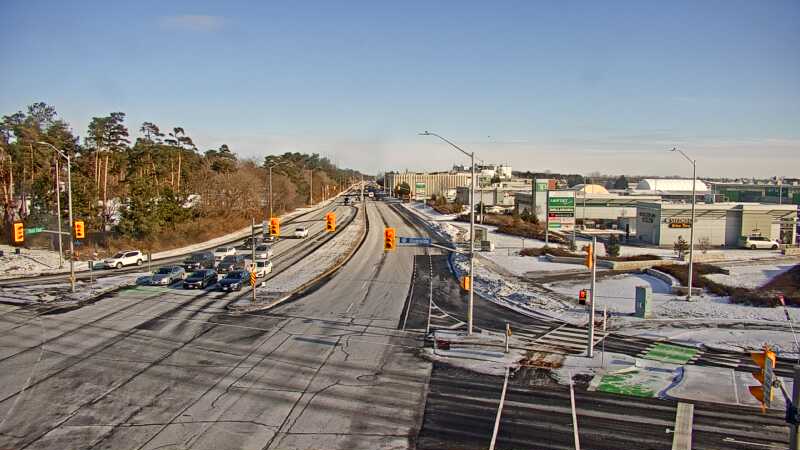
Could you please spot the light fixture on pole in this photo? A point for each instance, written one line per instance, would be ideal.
(69, 202)
(691, 229)
(471, 228)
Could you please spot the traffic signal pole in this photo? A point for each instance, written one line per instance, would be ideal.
(590, 343)
(794, 441)
(71, 227)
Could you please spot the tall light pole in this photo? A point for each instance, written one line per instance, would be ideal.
(691, 230)
(71, 225)
(471, 228)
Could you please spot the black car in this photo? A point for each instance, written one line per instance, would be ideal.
(231, 263)
(235, 280)
(199, 260)
(200, 279)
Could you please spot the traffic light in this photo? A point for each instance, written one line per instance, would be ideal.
(582, 296)
(389, 242)
(275, 227)
(18, 233)
(466, 283)
(330, 222)
(589, 256)
(764, 393)
(80, 231)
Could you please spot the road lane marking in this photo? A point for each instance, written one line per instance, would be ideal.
(682, 434)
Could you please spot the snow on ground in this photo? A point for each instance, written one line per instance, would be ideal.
(751, 276)
(60, 292)
(710, 320)
(308, 269)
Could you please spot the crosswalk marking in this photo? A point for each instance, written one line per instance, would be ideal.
(569, 337)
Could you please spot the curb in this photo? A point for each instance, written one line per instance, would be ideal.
(319, 279)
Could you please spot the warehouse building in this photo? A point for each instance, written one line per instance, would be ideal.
(496, 194)
(425, 185)
(717, 224)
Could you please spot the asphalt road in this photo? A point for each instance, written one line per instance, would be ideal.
(159, 367)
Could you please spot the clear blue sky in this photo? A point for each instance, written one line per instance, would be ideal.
(605, 86)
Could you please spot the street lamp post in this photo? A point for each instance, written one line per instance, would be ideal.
(691, 230)
(471, 228)
(69, 203)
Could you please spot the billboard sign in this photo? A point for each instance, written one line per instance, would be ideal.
(561, 210)
(420, 190)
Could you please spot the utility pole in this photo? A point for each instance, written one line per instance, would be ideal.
(471, 228)
(71, 222)
(691, 230)
(253, 242)
(58, 215)
(547, 218)
(310, 187)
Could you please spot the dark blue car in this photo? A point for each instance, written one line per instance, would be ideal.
(235, 280)
(199, 279)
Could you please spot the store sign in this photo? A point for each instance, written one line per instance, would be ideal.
(679, 222)
(561, 210)
(419, 190)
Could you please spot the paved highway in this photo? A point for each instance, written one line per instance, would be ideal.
(165, 368)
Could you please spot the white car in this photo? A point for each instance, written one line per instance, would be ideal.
(301, 232)
(263, 267)
(263, 251)
(167, 275)
(755, 242)
(126, 258)
(221, 252)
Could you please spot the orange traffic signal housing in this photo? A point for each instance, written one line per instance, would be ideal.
(330, 222)
(389, 239)
(589, 256)
(79, 229)
(18, 233)
(766, 361)
(466, 283)
(275, 227)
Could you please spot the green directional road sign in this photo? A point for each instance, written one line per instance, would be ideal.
(34, 230)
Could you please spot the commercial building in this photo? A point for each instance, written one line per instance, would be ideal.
(716, 224)
(757, 192)
(425, 185)
(671, 189)
(496, 194)
(595, 206)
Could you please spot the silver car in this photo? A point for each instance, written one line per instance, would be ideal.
(263, 251)
(167, 275)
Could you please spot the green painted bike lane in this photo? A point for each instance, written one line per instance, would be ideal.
(648, 381)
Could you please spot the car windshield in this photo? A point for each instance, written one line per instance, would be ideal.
(229, 259)
(164, 271)
(222, 250)
(237, 275)
(262, 248)
(198, 274)
(196, 257)
(119, 255)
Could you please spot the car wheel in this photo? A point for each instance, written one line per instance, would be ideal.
(119, 265)
(774, 247)
(138, 262)
(752, 247)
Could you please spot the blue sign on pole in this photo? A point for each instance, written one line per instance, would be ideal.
(414, 241)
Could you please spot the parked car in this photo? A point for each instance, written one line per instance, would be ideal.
(126, 258)
(199, 260)
(199, 279)
(231, 263)
(756, 242)
(222, 252)
(263, 267)
(301, 232)
(167, 275)
(263, 251)
(235, 280)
